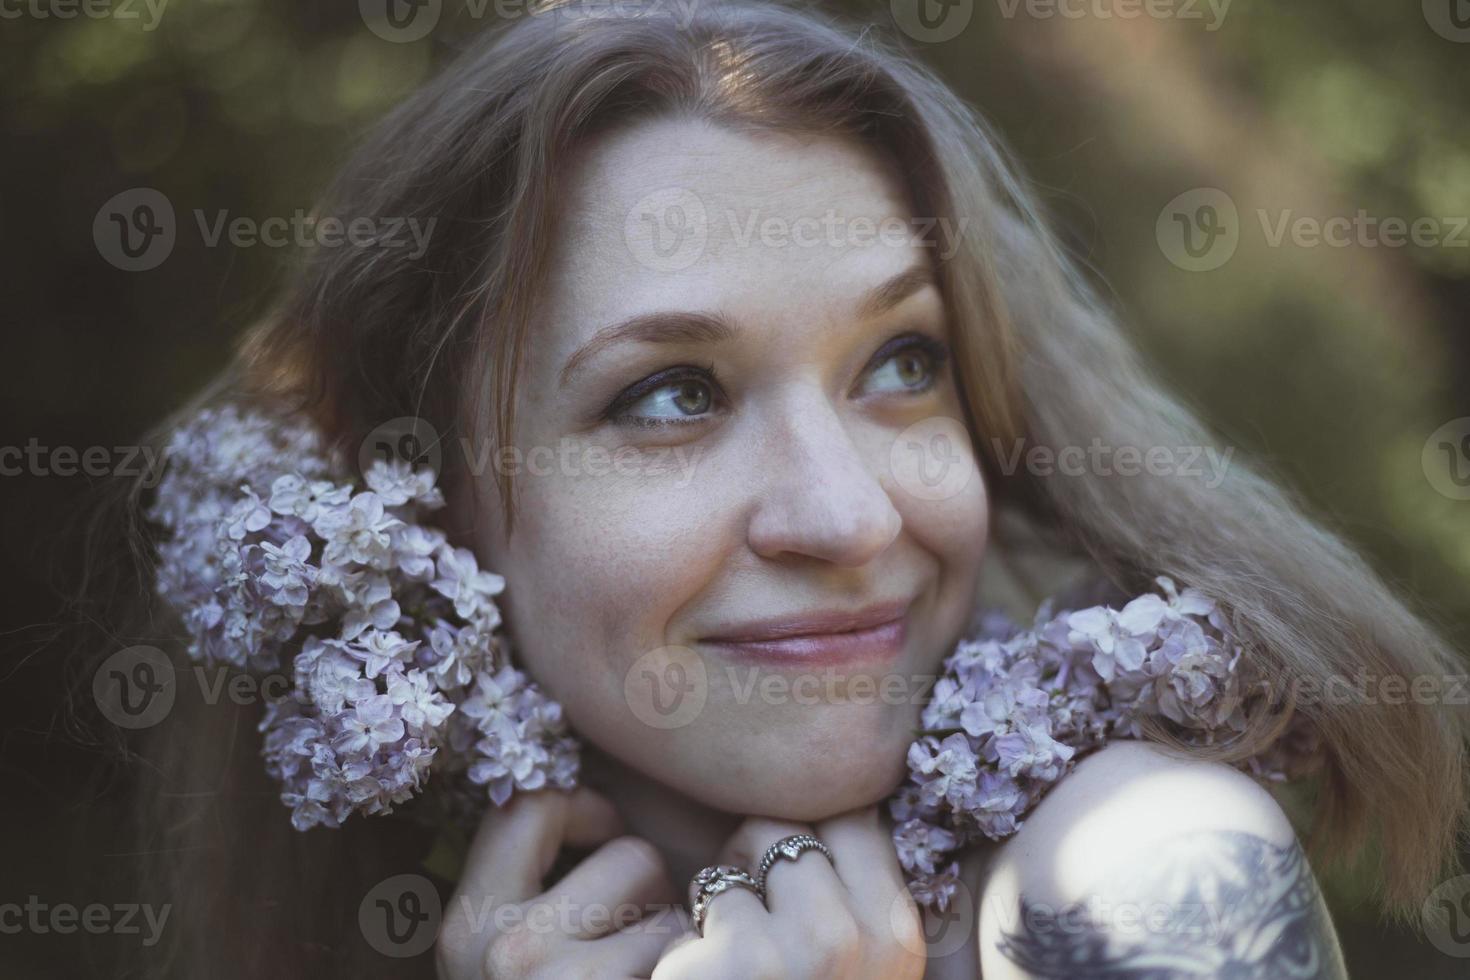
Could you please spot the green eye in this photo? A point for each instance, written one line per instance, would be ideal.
(678, 395)
(912, 365)
(675, 400)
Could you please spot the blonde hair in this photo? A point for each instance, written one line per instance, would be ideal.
(365, 335)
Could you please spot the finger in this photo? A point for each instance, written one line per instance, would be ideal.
(866, 863)
(516, 845)
(748, 843)
(735, 912)
(636, 950)
(732, 957)
(862, 851)
(809, 882)
(613, 887)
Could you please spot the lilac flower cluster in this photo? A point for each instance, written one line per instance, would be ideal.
(1014, 709)
(276, 560)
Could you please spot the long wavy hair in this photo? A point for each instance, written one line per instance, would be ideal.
(363, 335)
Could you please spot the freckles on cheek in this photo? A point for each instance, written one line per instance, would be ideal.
(957, 526)
(616, 561)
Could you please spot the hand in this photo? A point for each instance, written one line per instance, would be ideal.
(848, 919)
(500, 924)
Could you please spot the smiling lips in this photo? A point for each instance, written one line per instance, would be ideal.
(824, 638)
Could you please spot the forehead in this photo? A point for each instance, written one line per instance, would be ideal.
(681, 214)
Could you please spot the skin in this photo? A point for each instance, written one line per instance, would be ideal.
(1139, 854)
(792, 505)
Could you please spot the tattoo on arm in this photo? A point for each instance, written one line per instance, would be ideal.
(1204, 905)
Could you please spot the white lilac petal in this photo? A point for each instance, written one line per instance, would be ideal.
(396, 482)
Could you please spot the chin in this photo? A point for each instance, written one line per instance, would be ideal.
(839, 771)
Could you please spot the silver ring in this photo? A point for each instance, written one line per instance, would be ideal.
(789, 849)
(716, 880)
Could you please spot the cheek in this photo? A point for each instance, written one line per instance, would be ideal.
(952, 533)
(954, 528)
(596, 568)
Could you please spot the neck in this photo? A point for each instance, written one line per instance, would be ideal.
(687, 833)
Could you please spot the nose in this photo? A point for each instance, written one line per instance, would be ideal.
(819, 496)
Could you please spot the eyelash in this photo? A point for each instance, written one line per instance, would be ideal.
(637, 391)
(936, 351)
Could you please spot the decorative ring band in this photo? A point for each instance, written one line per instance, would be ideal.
(789, 849)
(716, 880)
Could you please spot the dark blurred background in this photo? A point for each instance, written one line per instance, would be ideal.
(1341, 366)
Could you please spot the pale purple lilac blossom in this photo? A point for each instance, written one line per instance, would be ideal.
(275, 559)
(1014, 708)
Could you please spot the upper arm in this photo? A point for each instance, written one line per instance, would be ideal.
(1142, 866)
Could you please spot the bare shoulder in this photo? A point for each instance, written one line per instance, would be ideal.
(1141, 865)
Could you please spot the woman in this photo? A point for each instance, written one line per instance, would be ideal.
(746, 254)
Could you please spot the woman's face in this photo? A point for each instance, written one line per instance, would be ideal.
(730, 347)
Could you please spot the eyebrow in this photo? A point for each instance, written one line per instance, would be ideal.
(895, 290)
(675, 327)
